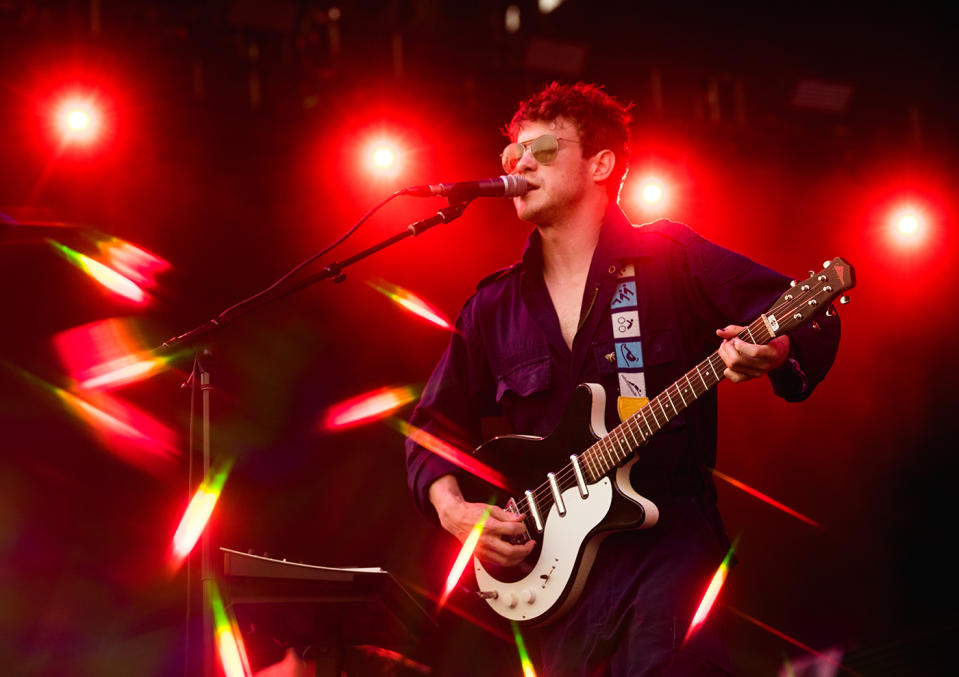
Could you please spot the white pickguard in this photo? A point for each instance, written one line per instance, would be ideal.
(537, 596)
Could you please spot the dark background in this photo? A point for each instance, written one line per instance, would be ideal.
(232, 146)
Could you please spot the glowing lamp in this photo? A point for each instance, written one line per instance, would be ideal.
(652, 192)
(907, 224)
(78, 121)
(382, 157)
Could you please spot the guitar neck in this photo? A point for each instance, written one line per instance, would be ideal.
(622, 440)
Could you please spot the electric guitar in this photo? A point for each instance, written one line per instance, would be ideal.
(574, 507)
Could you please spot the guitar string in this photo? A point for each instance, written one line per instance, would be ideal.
(543, 494)
(603, 449)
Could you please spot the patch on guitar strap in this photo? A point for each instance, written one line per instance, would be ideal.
(624, 312)
(627, 406)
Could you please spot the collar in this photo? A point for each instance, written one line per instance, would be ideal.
(618, 240)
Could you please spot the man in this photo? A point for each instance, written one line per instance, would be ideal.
(534, 331)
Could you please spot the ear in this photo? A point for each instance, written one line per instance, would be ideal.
(602, 165)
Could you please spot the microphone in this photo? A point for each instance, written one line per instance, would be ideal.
(502, 186)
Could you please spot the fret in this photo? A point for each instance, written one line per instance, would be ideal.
(655, 418)
(682, 398)
(689, 387)
(620, 442)
(671, 403)
(749, 333)
(705, 386)
(643, 412)
(605, 443)
(631, 434)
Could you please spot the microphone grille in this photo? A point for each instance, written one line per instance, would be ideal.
(515, 185)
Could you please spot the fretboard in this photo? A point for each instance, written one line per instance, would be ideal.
(636, 430)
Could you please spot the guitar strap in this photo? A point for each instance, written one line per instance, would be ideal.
(627, 343)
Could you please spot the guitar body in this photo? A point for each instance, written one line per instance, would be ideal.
(551, 579)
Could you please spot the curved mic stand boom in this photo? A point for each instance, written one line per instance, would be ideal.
(201, 377)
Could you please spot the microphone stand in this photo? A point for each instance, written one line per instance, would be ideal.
(335, 271)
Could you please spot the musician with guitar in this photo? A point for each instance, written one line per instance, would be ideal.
(611, 533)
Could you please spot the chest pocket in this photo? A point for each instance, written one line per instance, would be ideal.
(524, 379)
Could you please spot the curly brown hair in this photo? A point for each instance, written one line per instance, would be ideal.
(601, 120)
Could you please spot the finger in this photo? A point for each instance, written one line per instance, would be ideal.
(504, 515)
(729, 331)
(746, 349)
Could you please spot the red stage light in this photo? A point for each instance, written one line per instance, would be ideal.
(78, 120)
(907, 226)
(651, 194)
(383, 158)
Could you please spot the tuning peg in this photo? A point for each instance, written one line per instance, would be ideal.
(793, 283)
(811, 273)
(826, 264)
(816, 326)
(844, 299)
(831, 310)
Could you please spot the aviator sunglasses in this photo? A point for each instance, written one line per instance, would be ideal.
(543, 148)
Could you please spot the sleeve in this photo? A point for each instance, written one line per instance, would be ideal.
(738, 290)
(457, 396)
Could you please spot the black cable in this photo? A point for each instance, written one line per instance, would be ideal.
(311, 259)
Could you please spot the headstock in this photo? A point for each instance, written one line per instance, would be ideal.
(804, 300)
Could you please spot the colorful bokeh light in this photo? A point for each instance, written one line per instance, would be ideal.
(463, 558)
(709, 598)
(197, 515)
(795, 642)
(106, 276)
(412, 303)
(524, 658)
(229, 641)
(447, 451)
(131, 261)
(108, 353)
(368, 407)
(766, 499)
(124, 430)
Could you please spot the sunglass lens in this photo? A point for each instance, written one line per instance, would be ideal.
(512, 154)
(544, 148)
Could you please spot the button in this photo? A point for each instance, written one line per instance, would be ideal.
(612, 269)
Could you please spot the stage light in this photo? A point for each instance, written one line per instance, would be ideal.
(651, 194)
(78, 120)
(907, 225)
(383, 158)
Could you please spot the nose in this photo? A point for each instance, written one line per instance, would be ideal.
(526, 162)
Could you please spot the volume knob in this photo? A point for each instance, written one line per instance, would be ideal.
(529, 595)
(511, 600)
